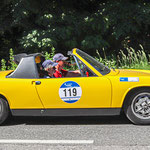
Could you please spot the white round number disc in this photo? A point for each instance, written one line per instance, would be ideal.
(70, 92)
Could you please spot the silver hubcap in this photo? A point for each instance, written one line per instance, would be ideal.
(141, 105)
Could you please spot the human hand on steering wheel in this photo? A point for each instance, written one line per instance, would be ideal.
(84, 70)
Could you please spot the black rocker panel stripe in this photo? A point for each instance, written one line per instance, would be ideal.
(67, 112)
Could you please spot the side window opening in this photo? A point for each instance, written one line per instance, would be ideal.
(70, 65)
(85, 71)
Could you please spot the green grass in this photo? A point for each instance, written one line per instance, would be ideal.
(127, 59)
(131, 60)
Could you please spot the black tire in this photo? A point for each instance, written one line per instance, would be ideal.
(137, 107)
(4, 110)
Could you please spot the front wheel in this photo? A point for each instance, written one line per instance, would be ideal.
(137, 108)
(4, 110)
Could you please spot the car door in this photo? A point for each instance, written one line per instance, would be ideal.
(75, 92)
(21, 93)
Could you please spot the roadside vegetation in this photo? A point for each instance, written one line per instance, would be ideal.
(109, 30)
(129, 58)
(65, 24)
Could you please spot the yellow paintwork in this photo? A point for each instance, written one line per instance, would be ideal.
(92, 96)
(120, 89)
(20, 93)
(97, 92)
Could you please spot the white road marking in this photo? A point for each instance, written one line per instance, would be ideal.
(47, 141)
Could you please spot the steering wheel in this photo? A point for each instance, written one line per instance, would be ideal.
(84, 70)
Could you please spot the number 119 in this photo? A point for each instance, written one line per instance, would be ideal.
(71, 92)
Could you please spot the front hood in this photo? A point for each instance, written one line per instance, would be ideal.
(3, 74)
(133, 72)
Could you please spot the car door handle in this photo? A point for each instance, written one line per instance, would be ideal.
(37, 82)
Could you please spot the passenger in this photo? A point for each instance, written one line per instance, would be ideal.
(60, 72)
(49, 66)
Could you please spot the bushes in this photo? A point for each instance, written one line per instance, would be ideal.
(34, 26)
(11, 65)
(132, 59)
(125, 60)
(3, 65)
(50, 55)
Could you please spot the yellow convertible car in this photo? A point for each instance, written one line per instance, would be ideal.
(99, 91)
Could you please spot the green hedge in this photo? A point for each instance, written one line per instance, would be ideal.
(129, 59)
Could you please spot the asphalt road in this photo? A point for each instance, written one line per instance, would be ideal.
(104, 132)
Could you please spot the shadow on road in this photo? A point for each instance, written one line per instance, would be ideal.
(112, 120)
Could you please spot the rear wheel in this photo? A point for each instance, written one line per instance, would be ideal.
(137, 108)
(4, 110)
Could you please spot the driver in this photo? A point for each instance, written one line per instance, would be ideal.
(60, 72)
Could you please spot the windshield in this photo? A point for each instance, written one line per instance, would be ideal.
(97, 65)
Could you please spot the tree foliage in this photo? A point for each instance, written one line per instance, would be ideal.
(37, 26)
